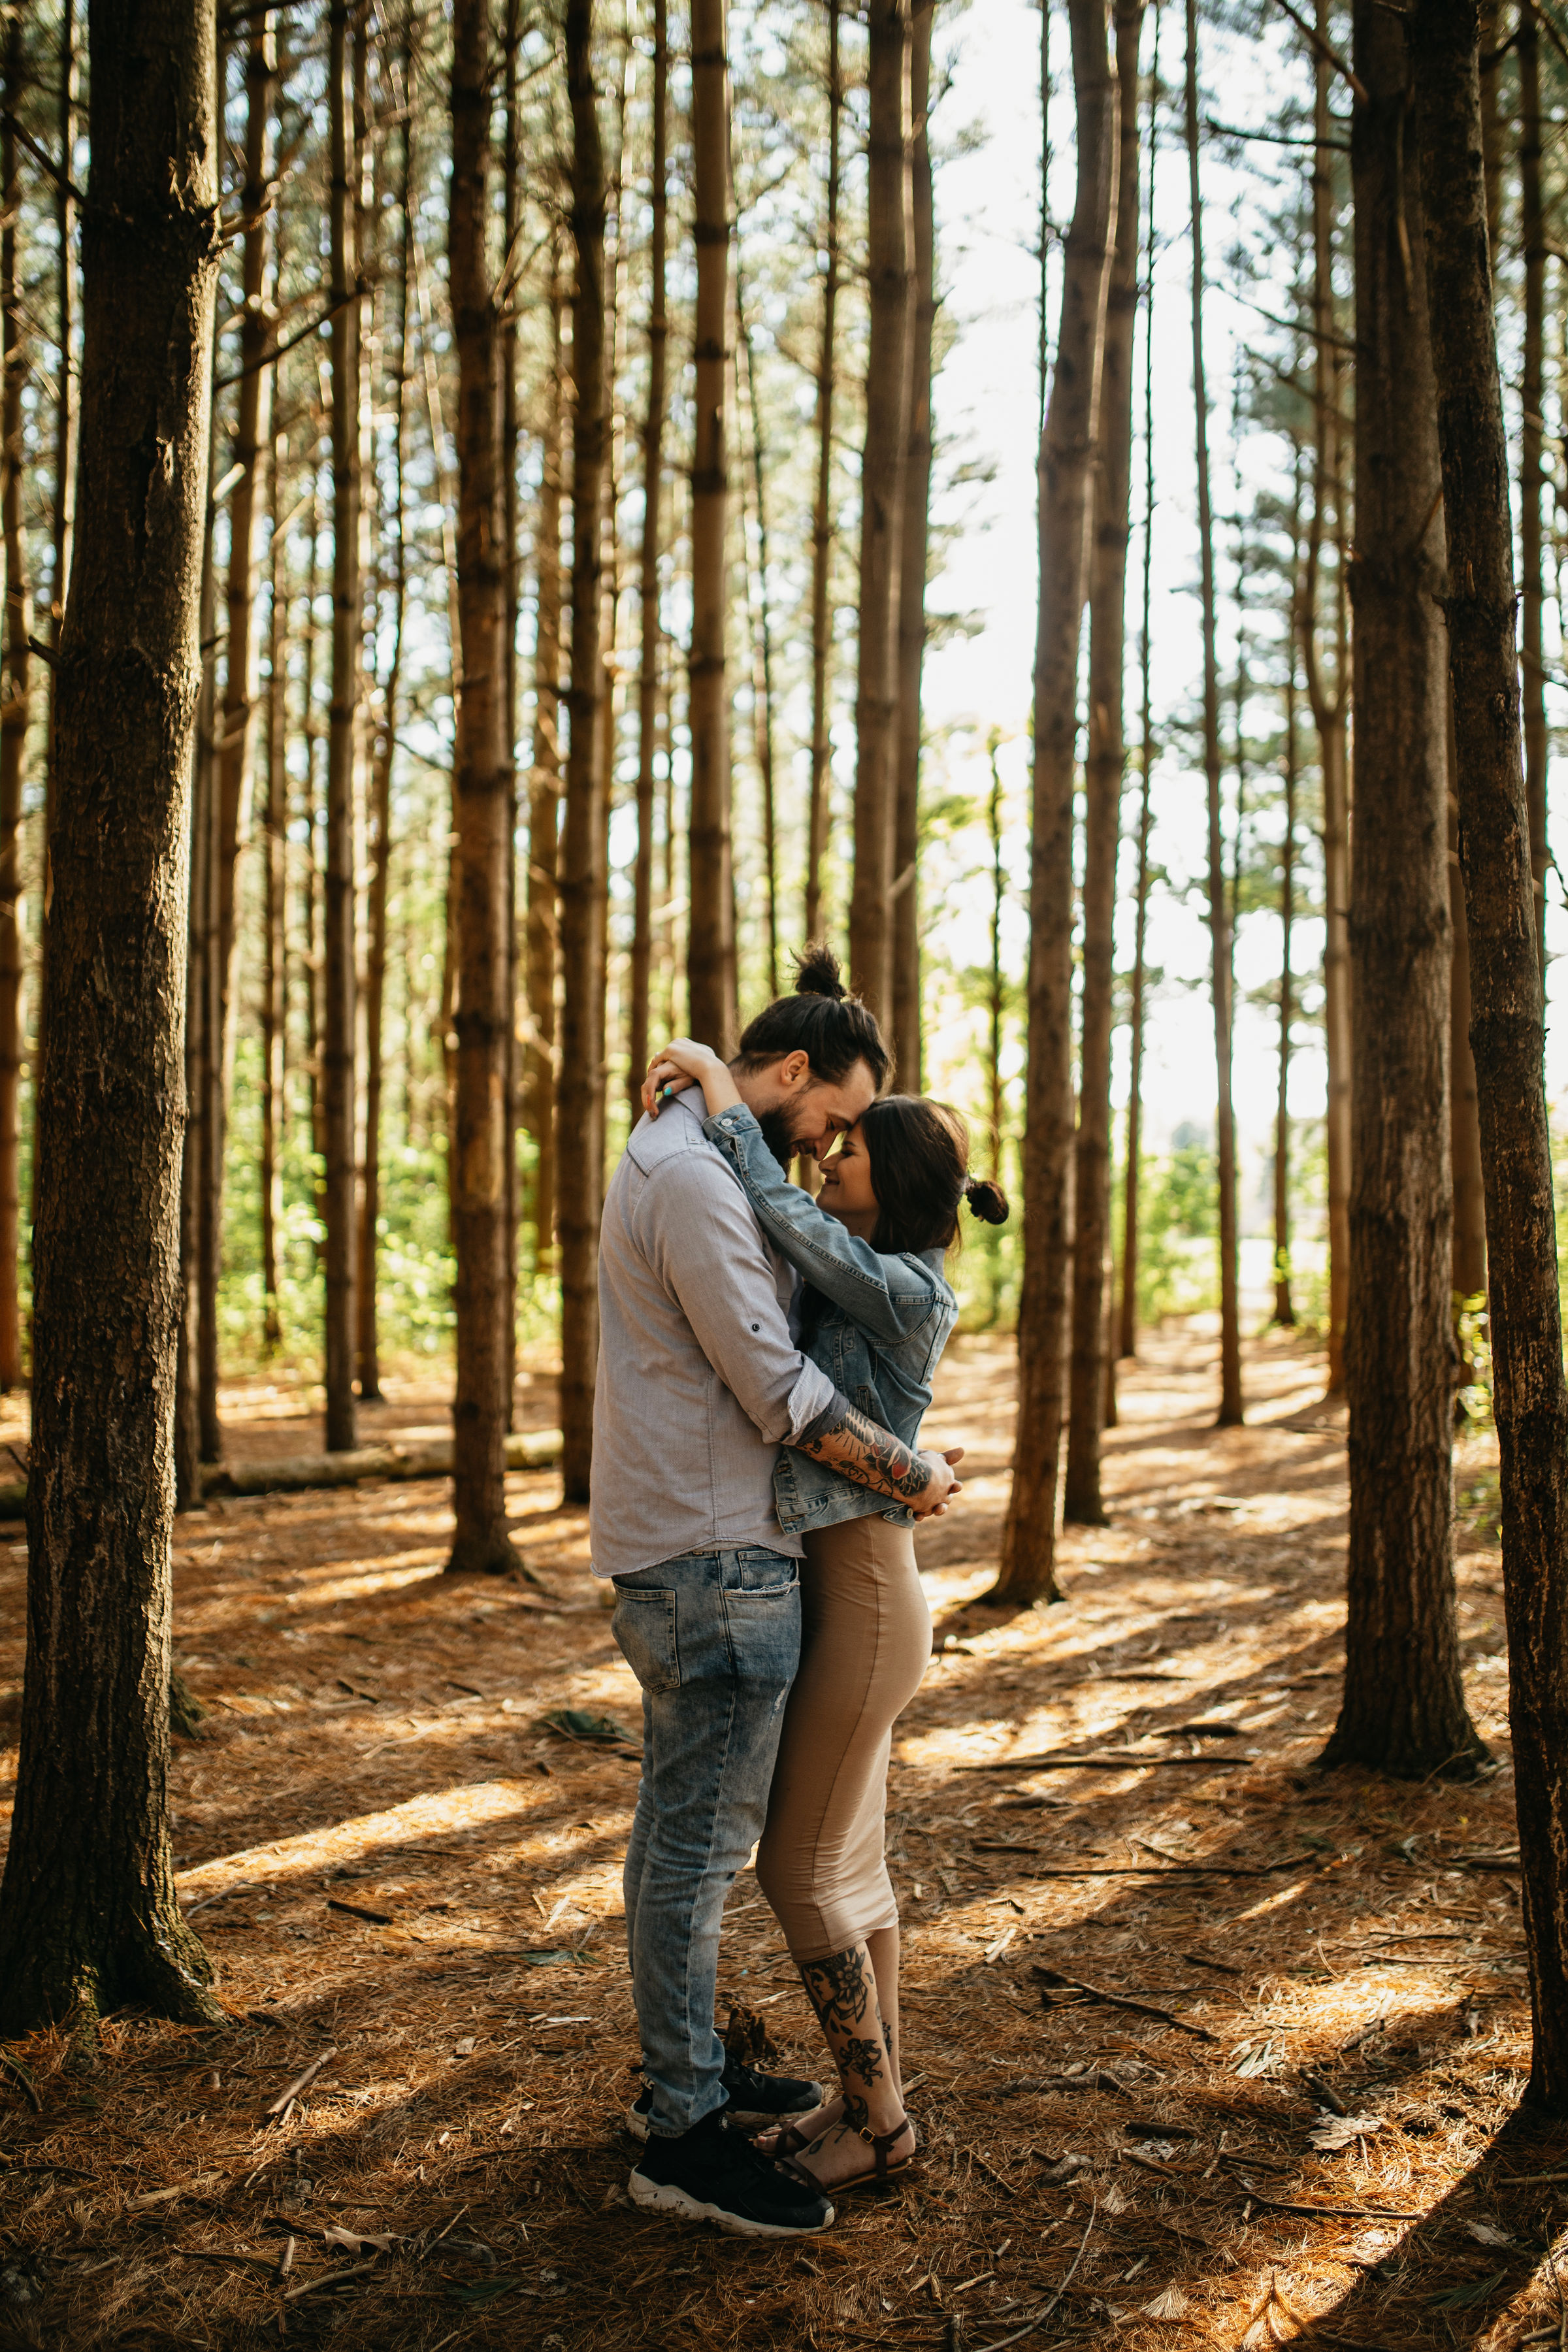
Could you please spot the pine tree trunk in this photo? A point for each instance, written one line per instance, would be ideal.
(761, 634)
(1404, 1705)
(64, 486)
(1066, 476)
(883, 468)
(380, 841)
(913, 559)
(711, 951)
(91, 1920)
(274, 899)
(822, 531)
(338, 1045)
(542, 919)
(1530, 1395)
(648, 592)
(1531, 478)
(236, 751)
(1469, 1274)
(480, 793)
(1284, 1310)
(1127, 1340)
(511, 437)
(1220, 930)
(197, 1433)
(14, 717)
(1082, 1500)
(1328, 698)
(580, 1112)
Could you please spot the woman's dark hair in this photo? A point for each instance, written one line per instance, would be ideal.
(918, 1152)
(821, 1020)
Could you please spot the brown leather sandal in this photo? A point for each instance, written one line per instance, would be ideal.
(878, 2170)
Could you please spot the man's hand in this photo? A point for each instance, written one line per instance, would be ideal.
(944, 1485)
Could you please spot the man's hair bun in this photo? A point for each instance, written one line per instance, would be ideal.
(986, 1200)
(816, 972)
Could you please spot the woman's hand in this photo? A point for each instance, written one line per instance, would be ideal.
(681, 1064)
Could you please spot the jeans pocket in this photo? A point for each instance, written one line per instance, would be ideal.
(644, 1626)
(763, 1623)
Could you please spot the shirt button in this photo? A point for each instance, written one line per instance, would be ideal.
(756, 1327)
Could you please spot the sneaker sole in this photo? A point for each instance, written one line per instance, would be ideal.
(666, 2197)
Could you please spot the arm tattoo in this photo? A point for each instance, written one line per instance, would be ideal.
(868, 1456)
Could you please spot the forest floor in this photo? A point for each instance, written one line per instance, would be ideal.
(1154, 2176)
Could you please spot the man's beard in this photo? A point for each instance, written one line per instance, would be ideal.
(778, 1134)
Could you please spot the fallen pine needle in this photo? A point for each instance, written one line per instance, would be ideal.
(1039, 2318)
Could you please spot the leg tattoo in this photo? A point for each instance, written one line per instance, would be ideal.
(843, 1991)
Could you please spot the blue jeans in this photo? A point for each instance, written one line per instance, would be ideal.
(714, 1639)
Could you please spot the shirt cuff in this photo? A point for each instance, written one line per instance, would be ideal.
(823, 1417)
(735, 1120)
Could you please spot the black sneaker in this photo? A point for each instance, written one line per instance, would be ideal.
(711, 2175)
(755, 2100)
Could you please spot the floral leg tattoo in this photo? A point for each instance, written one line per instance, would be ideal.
(843, 1991)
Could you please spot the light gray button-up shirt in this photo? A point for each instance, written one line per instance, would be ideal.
(699, 1381)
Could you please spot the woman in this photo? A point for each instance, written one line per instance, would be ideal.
(877, 1312)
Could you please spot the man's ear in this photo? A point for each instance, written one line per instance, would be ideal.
(794, 1069)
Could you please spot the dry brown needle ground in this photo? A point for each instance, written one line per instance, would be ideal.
(394, 1861)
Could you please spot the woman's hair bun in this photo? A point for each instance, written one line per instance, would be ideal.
(816, 972)
(986, 1200)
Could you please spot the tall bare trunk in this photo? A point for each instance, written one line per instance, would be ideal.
(511, 442)
(913, 559)
(1532, 477)
(884, 465)
(90, 1919)
(545, 806)
(1065, 476)
(652, 517)
(338, 1054)
(1220, 928)
(1328, 684)
(1469, 1274)
(234, 757)
(996, 1012)
(481, 767)
(1102, 814)
(1284, 1309)
(274, 899)
(380, 829)
(762, 630)
(14, 716)
(1127, 1341)
(580, 1115)
(65, 452)
(822, 531)
(1404, 1704)
(711, 954)
(1530, 1395)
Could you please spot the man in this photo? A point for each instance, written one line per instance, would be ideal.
(699, 1382)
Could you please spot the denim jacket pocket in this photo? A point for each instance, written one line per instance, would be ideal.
(644, 1626)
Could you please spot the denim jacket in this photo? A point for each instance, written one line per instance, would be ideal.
(877, 1325)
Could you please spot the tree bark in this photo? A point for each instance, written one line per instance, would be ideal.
(884, 466)
(1530, 1395)
(1531, 475)
(1082, 1500)
(1404, 1705)
(89, 1920)
(380, 830)
(234, 756)
(338, 1051)
(14, 716)
(274, 900)
(1328, 698)
(1220, 928)
(580, 1115)
(1128, 1334)
(481, 767)
(914, 559)
(1066, 473)
(511, 442)
(711, 951)
(1284, 1308)
(1469, 1272)
(65, 456)
(544, 806)
(763, 633)
(822, 530)
(652, 519)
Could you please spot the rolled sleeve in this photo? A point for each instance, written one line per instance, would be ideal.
(705, 1246)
